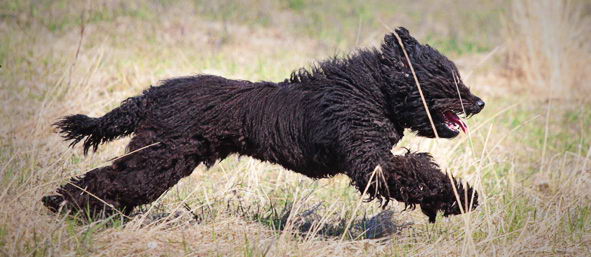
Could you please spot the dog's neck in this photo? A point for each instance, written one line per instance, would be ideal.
(366, 69)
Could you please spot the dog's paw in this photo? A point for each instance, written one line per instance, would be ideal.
(54, 202)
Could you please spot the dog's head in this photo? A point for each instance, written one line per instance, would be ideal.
(441, 87)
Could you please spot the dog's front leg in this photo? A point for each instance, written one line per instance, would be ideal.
(413, 178)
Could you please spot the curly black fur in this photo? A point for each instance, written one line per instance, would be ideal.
(342, 116)
(95, 131)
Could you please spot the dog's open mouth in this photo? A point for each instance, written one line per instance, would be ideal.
(454, 122)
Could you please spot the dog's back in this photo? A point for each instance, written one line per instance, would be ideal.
(269, 121)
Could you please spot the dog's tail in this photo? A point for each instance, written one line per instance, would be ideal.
(119, 122)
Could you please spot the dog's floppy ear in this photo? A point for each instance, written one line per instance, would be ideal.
(407, 39)
(404, 35)
(391, 41)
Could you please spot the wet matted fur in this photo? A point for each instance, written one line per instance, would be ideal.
(344, 115)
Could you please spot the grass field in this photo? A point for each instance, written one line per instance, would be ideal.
(528, 152)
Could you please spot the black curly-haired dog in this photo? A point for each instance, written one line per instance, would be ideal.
(342, 116)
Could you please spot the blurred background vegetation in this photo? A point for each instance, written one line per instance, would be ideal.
(454, 26)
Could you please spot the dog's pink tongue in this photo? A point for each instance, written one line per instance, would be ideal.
(457, 120)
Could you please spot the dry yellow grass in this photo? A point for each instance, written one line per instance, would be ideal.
(547, 45)
(530, 159)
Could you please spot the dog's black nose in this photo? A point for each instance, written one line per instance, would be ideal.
(480, 103)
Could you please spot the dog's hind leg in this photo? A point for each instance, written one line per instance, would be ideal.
(135, 179)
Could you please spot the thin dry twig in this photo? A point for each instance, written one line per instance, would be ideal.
(378, 168)
(414, 75)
